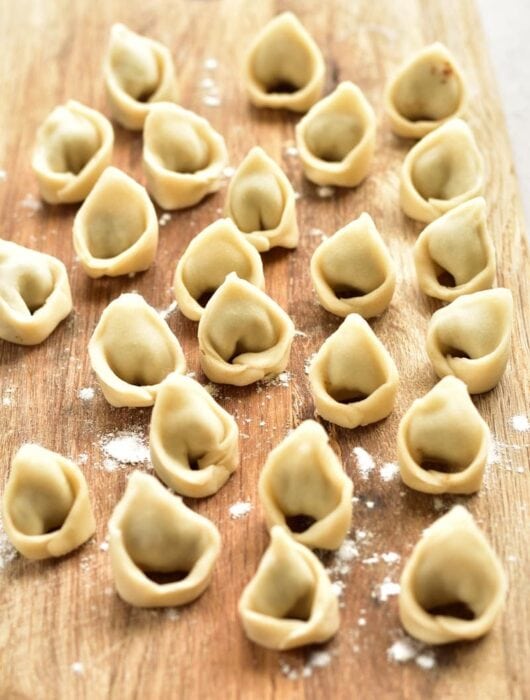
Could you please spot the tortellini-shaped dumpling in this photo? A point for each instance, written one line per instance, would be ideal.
(471, 338)
(353, 379)
(441, 171)
(138, 72)
(74, 145)
(284, 68)
(162, 553)
(261, 202)
(244, 335)
(208, 259)
(304, 489)
(34, 294)
(290, 601)
(336, 138)
(193, 441)
(132, 350)
(116, 229)
(454, 255)
(443, 442)
(427, 90)
(453, 586)
(183, 156)
(46, 507)
(353, 272)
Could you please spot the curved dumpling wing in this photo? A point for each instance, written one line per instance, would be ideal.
(46, 506)
(162, 553)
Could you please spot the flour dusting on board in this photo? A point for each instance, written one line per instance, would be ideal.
(520, 423)
(315, 659)
(365, 461)
(7, 552)
(122, 448)
(86, 393)
(407, 649)
(240, 509)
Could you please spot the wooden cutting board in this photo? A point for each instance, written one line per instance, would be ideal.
(59, 613)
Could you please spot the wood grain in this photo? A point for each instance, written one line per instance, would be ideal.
(60, 612)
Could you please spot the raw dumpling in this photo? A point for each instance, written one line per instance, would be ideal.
(161, 552)
(443, 442)
(353, 379)
(34, 294)
(353, 272)
(453, 586)
(46, 507)
(138, 72)
(261, 202)
(441, 171)
(193, 441)
(470, 338)
(116, 228)
(454, 255)
(208, 259)
(244, 336)
(304, 489)
(290, 601)
(183, 156)
(284, 68)
(132, 350)
(427, 90)
(74, 146)
(336, 139)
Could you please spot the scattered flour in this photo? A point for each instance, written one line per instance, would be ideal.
(299, 334)
(283, 379)
(7, 552)
(211, 63)
(123, 448)
(520, 423)
(229, 171)
(82, 458)
(3, 176)
(104, 546)
(171, 613)
(407, 649)
(213, 389)
(212, 100)
(207, 83)
(164, 219)
(365, 462)
(385, 590)
(86, 393)
(164, 313)
(240, 509)
(290, 150)
(325, 192)
(316, 659)
(31, 203)
(318, 233)
(388, 471)
(78, 668)
(308, 361)
(390, 557)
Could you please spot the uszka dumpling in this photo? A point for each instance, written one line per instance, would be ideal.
(471, 338)
(284, 68)
(138, 72)
(74, 146)
(116, 229)
(244, 335)
(441, 171)
(261, 202)
(161, 552)
(290, 601)
(132, 350)
(183, 156)
(352, 271)
(34, 294)
(427, 90)
(353, 379)
(453, 586)
(304, 489)
(46, 506)
(336, 138)
(218, 250)
(193, 441)
(454, 255)
(443, 441)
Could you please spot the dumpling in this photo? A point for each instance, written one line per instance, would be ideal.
(261, 202)
(244, 336)
(304, 489)
(441, 171)
(161, 552)
(336, 138)
(34, 294)
(428, 89)
(353, 272)
(193, 441)
(443, 442)
(453, 586)
(471, 338)
(454, 255)
(74, 145)
(290, 601)
(208, 259)
(183, 156)
(138, 72)
(116, 229)
(284, 68)
(353, 379)
(132, 350)
(46, 507)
